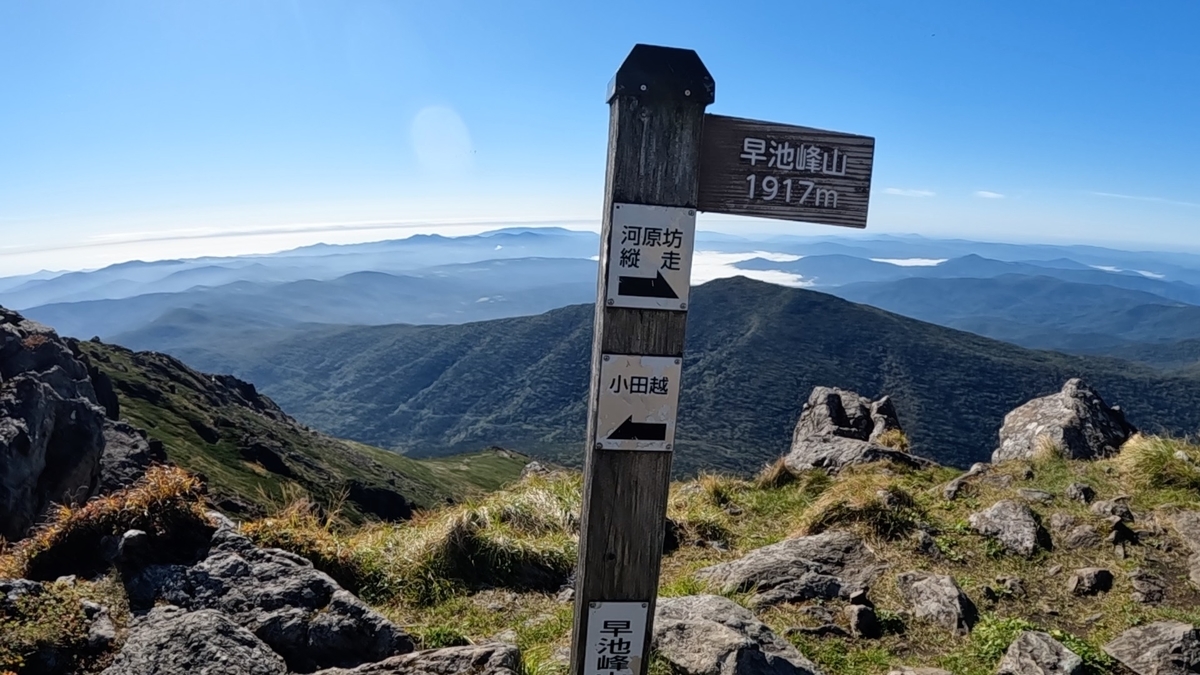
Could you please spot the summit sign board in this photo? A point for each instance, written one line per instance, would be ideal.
(780, 171)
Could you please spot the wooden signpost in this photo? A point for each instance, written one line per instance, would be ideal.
(667, 160)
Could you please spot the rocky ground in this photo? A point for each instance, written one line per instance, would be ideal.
(1076, 551)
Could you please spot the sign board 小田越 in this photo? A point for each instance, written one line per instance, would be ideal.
(615, 638)
(650, 256)
(639, 398)
(781, 171)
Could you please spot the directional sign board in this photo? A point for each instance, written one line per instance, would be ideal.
(770, 170)
(616, 637)
(650, 256)
(639, 396)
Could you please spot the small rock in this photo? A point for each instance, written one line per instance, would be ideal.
(1040, 496)
(864, 623)
(101, 634)
(1054, 570)
(1083, 536)
(133, 548)
(566, 595)
(734, 510)
(508, 636)
(928, 545)
(1113, 507)
(1119, 532)
(1061, 522)
(1013, 586)
(819, 613)
(1160, 648)
(1081, 492)
(1036, 653)
(1012, 524)
(905, 670)
(1090, 581)
(1148, 588)
(938, 599)
(859, 597)
(1093, 618)
(495, 658)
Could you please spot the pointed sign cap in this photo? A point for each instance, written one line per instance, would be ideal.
(653, 72)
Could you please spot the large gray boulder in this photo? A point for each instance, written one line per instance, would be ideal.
(1012, 524)
(823, 566)
(1075, 419)
(1036, 653)
(170, 640)
(51, 427)
(838, 428)
(1160, 648)
(711, 635)
(937, 598)
(300, 612)
(488, 659)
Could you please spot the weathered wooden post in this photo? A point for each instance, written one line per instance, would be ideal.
(656, 119)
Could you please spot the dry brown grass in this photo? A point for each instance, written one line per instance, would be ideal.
(894, 439)
(167, 503)
(865, 496)
(774, 476)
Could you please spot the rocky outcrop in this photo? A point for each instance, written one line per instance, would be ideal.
(1090, 581)
(51, 426)
(1187, 526)
(1036, 653)
(1012, 524)
(824, 566)
(488, 659)
(128, 452)
(172, 640)
(936, 598)
(1161, 648)
(1075, 420)
(298, 611)
(838, 428)
(711, 635)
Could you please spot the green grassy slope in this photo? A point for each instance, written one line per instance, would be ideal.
(253, 455)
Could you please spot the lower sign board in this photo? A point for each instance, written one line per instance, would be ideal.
(769, 170)
(639, 396)
(616, 637)
(650, 256)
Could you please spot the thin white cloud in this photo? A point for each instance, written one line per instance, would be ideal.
(905, 192)
(709, 265)
(988, 194)
(1160, 200)
(911, 262)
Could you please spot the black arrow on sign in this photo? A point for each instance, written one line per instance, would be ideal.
(639, 431)
(645, 287)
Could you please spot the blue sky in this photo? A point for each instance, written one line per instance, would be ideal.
(150, 129)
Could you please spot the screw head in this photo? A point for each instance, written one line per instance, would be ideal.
(691, 212)
(683, 305)
(611, 301)
(678, 361)
(687, 92)
(645, 604)
(592, 605)
(599, 445)
(668, 446)
(643, 87)
(607, 357)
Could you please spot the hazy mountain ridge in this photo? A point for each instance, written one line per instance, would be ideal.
(754, 351)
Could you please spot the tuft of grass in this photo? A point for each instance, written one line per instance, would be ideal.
(1095, 660)
(774, 476)
(439, 637)
(894, 439)
(522, 538)
(167, 503)
(868, 497)
(838, 655)
(1046, 448)
(718, 489)
(1160, 463)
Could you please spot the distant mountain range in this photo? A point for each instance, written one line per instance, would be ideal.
(754, 351)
